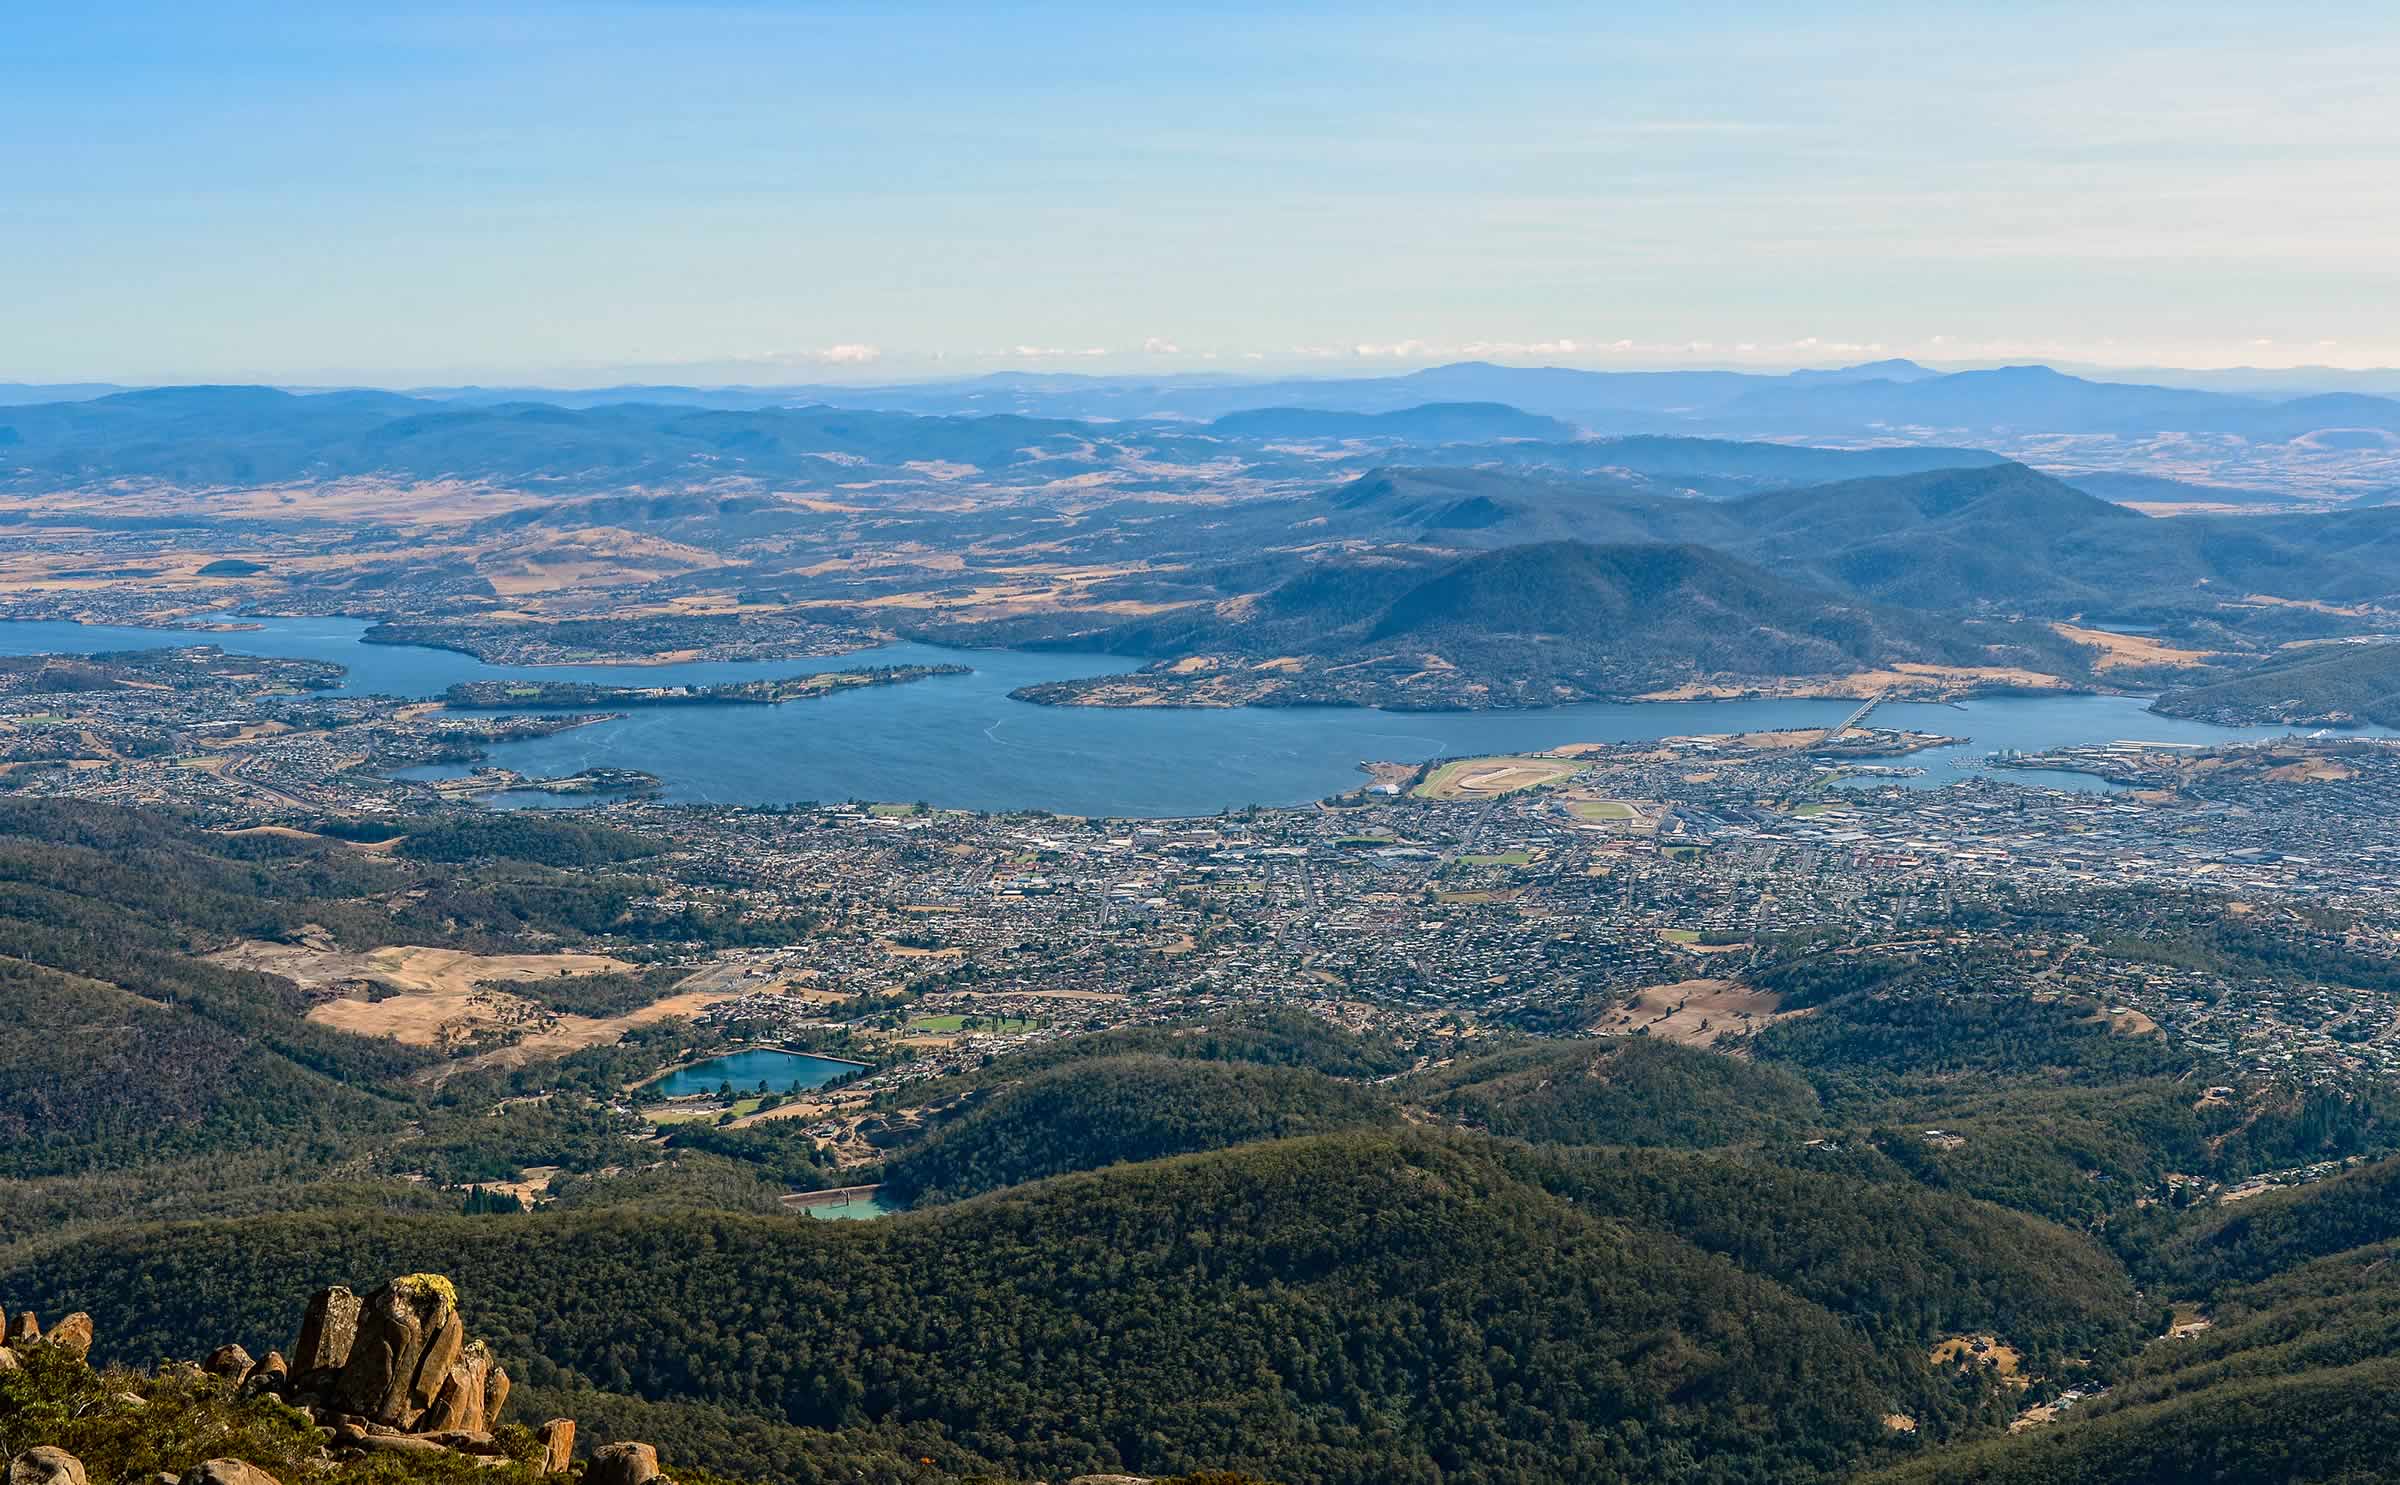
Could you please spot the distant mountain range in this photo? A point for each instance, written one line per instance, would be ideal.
(1880, 398)
(215, 436)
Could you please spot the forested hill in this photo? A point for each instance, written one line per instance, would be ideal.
(1355, 1309)
(1556, 621)
(1950, 539)
(2286, 1373)
(2323, 685)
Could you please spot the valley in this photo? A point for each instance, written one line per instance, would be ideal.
(1340, 945)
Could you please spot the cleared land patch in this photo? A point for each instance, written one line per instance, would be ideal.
(449, 998)
(1697, 1013)
(2122, 651)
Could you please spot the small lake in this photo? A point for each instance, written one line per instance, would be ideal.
(959, 742)
(852, 1209)
(782, 1072)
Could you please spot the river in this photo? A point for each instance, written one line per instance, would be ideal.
(960, 742)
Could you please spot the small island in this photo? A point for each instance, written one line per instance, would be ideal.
(507, 695)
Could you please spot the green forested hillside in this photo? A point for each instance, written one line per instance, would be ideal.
(2337, 683)
(1619, 1091)
(2333, 1427)
(2281, 1230)
(1096, 1112)
(1357, 1308)
(1894, 1258)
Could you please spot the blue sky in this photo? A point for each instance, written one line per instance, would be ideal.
(583, 192)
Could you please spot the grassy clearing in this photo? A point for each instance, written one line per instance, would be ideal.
(1602, 809)
(1500, 858)
(948, 1024)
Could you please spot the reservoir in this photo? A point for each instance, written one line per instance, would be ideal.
(782, 1072)
(959, 741)
(851, 1208)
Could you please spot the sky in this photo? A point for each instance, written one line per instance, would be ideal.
(577, 193)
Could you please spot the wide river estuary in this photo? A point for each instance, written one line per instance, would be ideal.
(960, 742)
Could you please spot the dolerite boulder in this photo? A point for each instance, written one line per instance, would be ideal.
(72, 1335)
(227, 1472)
(558, 1446)
(269, 1375)
(622, 1464)
(495, 1393)
(26, 1330)
(228, 1363)
(327, 1332)
(409, 1335)
(8, 1361)
(460, 1402)
(44, 1465)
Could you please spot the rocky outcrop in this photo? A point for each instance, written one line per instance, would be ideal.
(622, 1464)
(72, 1335)
(460, 1402)
(270, 1374)
(43, 1465)
(558, 1446)
(409, 1335)
(394, 1373)
(25, 1329)
(228, 1363)
(326, 1334)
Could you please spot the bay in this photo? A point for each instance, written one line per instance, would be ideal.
(959, 741)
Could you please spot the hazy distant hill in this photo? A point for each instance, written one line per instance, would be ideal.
(2027, 397)
(1999, 536)
(1536, 623)
(2150, 489)
(1879, 398)
(1717, 468)
(1435, 422)
(217, 435)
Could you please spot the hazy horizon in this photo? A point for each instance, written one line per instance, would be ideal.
(579, 194)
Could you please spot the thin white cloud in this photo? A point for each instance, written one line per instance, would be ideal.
(1486, 349)
(1159, 345)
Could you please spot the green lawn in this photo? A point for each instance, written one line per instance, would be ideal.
(1601, 809)
(1500, 858)
(1680, 935)
(948, 1024)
